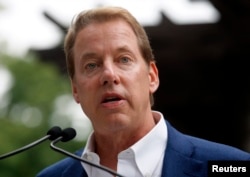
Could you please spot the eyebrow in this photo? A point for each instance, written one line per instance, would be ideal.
(124, 48)
(89, 55)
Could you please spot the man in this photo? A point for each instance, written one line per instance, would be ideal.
(113, 76)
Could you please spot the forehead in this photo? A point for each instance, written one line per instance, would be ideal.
(111, 23)
(97, 34)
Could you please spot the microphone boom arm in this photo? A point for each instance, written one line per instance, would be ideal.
(52, 134)
(25, 147)
(52, 145)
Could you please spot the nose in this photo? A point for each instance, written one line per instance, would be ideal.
(109, 75)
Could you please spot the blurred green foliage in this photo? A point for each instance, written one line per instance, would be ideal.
(35, 87)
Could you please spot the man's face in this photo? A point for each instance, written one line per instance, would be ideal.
(112, 81)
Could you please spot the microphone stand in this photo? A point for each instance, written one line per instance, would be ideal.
(52, 145)
(25, 147)
(52, 134)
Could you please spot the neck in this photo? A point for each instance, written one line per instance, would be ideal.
(108, 146)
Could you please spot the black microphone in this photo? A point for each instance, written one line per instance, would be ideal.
(67, 135)
(52, 134)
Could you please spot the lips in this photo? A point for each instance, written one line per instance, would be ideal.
(111, 98)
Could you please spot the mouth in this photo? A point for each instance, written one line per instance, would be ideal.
(111, 98)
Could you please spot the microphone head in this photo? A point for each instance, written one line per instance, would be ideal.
(68, 134)
(54, 132)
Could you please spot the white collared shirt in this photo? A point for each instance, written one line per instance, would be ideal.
(143, 159)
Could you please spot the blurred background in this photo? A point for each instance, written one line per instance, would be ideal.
(202, 52)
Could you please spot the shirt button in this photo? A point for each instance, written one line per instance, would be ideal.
(89, 158)
(128, 152)
(147, 175)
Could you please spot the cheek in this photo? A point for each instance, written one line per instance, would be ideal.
(83, 90)
(86, 83)
(139, 83)
(87, 97)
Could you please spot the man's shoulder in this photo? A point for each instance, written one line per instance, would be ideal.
(216, 151)
(63, 167)
(202, 149)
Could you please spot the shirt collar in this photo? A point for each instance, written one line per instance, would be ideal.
(148, 151)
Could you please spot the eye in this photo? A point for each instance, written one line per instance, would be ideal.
(125, 60)
(90, 66)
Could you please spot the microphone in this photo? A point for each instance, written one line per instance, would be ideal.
(67, 135)
(52, 134)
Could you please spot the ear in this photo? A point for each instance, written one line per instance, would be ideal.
(74, 90)
(153, 77)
